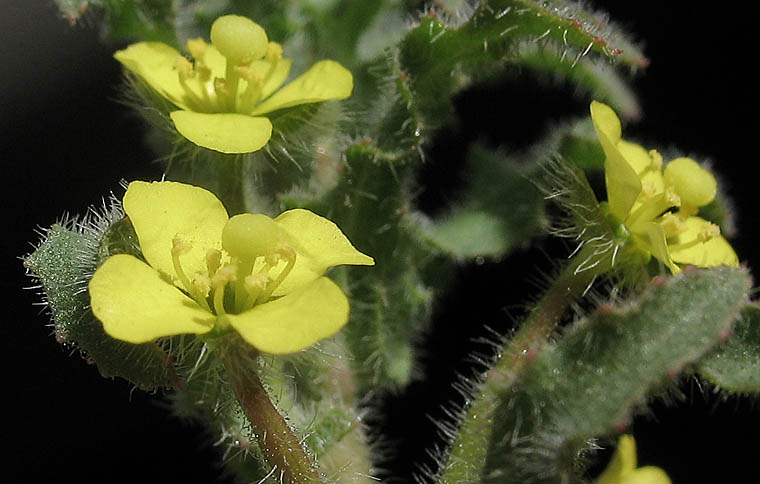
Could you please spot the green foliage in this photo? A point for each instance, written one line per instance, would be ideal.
(531, 416)
(733, 366)
(440, 56)
(63, 263)
(598, 374)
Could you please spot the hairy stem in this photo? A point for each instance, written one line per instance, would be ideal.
(278, 443)
(544, 318)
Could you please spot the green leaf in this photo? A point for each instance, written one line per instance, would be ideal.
(594, 76)
(139, 20)
(438, 57)
(603, 370)
(63, 264)
(735, 364)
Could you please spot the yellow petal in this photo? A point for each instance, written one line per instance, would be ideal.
(623, 184)
(635, 155)
(623, 461)
(324, 81)
(606, 121)
(224, 132)
(695, 185)
(154, 63)
(215, 61)
(687, 249)
(646, 475)
(136, 305)
(319, 245)
(161, 211)
(652, 236)
(296, 321)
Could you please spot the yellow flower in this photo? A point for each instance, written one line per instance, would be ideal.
(231, 82)
(209, 274)
(622, 468)
(657, 208)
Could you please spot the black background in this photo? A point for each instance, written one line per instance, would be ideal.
(65, 143)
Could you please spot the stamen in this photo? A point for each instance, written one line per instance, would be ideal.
(654, 207)
(256, 81)
(286, 252)
(197, 48)
(202, 285)
(222, 92)
(254, 285)
(708, 232)
(672, 225)
(184, 72)
(213, 261)
(252, 92)
(656, 160)
(648, 190)
(219, 282)
(180, 247)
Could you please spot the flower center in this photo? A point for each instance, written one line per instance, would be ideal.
(250, 62)
(237, 285)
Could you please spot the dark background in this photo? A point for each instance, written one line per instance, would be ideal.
(65, 143)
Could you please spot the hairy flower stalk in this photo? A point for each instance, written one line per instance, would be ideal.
(282, 448)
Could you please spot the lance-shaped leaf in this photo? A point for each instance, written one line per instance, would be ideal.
(591, 382)
(605, 367)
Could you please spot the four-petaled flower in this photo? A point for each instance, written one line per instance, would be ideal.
(657, 208)
(208, 274)
(231, 82)
(622, 468)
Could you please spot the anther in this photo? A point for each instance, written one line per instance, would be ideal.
(197, 47)
(218, 282)
(202, 284)
(213, 261)
(254, 285)
(672, 225)
(185, 71)
(672, 198)
(223, 276)
(180, 246)
(656, 159)
(184, 68)
(708, 232)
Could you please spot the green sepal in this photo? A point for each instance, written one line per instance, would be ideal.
(63, 264)
(603, 369)
(733, 365)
